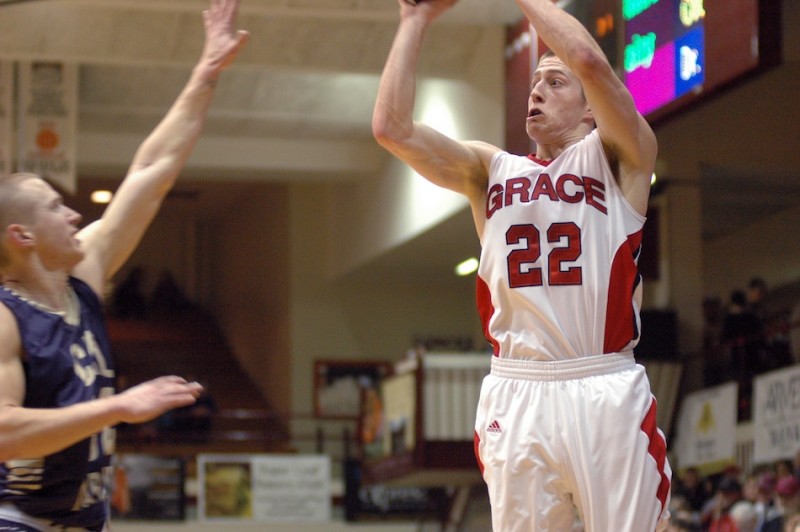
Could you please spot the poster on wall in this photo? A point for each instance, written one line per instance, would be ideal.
(48, 110)
(776, 415)
(148, 487)
(270, 488)
(707, 429)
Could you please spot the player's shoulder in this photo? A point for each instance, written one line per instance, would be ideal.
(484, 150)
(9, 333)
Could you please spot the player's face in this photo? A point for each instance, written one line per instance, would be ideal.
(556, 105)
(54, 227)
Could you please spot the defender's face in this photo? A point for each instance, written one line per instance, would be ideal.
(54, 228)
(556, 105)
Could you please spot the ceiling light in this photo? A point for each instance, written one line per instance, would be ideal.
(467, 267)
(101, 196)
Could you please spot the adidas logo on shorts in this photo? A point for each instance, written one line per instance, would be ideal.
(494, 426)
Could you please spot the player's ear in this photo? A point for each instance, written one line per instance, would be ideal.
(588, 117)
(19, 235)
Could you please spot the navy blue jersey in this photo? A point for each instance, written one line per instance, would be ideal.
(66, 361)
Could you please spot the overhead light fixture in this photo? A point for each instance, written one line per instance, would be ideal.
(467, 267)
(101, 196)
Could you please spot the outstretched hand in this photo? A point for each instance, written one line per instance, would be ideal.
(223, 41)
(150, 399)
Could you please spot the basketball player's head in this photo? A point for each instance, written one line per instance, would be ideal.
(557, 105)
(33, 217)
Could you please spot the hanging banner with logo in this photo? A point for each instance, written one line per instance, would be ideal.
(6, 116)
(48, 103)
(707, 429)
(776, 415)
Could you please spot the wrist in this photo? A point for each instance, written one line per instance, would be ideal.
(207, 75)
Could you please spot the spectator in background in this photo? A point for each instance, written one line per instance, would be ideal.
(128, 299)
(168, 297)
(743, 342)
(683, 520)
(787, 503)
(716, 363)
(744, 516)
(756, 293)
(794, 333)
(693, 488)
(759, 488)
(729, 492)
(784, 468)
(792, 524)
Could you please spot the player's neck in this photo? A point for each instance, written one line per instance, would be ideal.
(47, 291)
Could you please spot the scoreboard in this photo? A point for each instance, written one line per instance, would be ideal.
(670, 52)
(664, 55)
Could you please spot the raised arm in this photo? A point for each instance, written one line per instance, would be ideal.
(629, 140)
(159, 160)
(458, 166)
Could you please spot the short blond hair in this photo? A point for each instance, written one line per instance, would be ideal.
(15, 206)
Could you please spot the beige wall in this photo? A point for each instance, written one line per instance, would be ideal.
(250, 271)
(769, 248)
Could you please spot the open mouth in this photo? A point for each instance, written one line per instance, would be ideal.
(534, 112)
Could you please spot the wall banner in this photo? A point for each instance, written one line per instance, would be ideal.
(776, 415)
(48, 104)
(6, 116)
(707, 429)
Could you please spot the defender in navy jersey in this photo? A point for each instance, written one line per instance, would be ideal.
(566, 418)
(57, 400)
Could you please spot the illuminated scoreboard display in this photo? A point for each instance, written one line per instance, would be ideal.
(664, 55)
(669, 52)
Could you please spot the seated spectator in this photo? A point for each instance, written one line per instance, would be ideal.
(787, 503)
(693, 488)
(168, 297)
(759, 489)
(127, 300)
(729, 492)
(744, 516)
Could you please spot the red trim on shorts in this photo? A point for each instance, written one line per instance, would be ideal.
(483, 298)
(476, 441)
(658, 450)
(620, 319)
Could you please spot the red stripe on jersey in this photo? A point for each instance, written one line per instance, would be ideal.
(483, 297)
(620, 321)
(476, 442)
(658, 450)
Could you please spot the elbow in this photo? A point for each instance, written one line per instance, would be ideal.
(9, 448)
(589, 62)
(387, 131)
(382, 132)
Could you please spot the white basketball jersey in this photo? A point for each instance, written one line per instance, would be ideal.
(558, 276)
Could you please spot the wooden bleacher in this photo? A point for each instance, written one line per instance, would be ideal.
(190, 344)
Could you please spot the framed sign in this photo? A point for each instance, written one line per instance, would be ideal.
(148, 487)
(263, 488)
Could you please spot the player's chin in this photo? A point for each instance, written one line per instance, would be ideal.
(76, 255)
(532, 128)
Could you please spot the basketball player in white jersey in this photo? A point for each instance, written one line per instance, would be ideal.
(566, 418)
